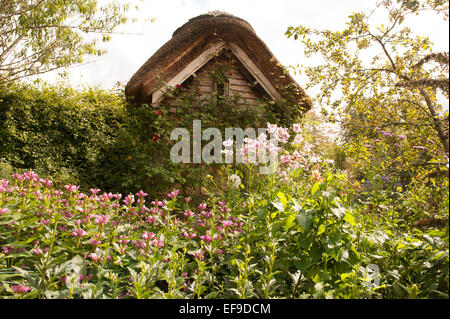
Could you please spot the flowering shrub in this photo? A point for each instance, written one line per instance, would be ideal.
(296, 233)
(70, 244)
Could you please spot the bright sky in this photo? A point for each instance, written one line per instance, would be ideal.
(269, 18)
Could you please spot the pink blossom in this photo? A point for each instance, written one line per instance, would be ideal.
(173, 194)
(141, 194)
(78, 233)
(21, 289)
(285, 159)
(129, 199)
(148, 236)
(94, 257)
(45, 221)
(206, 238)
(100, 220)
(94, 191)
(199, 256)
(95, 242)
(71, 188)
(3, 210)
(188, 213)
(296, 128)
(227, 223)
(202, 206)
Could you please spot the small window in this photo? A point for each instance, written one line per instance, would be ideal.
(222, 88)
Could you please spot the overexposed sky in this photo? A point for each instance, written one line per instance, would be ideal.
(269, 18)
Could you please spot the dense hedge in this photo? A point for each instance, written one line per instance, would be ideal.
(59, 131)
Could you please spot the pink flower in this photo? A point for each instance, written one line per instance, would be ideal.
(285, 159)
(206, 238)
(94, 191)
(21, 289)
(202, 206)
(129, 199)
(78, 233)
(187, 199)
(47, 182)
(85, 278)
(95, 242)
(94, 257)
(188, 213)
(100, 220)
(148, 236)
(71, 188)
(3, 210)
(227, 223)
(296, 128)
(141, 194)
(45, 221)
(199, 256)
(173, 194)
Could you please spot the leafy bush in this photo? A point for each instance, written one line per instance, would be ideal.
(59, 131)
(297, 233)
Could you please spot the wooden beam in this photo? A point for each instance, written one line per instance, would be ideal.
(255, 71)
(191, 68)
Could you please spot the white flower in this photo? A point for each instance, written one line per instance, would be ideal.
(271, 128)
(297, 140)
(234, 181)
(296, 128)
(228, 143)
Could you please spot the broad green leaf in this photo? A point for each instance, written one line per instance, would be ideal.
(282, 198)
(304, 219)
(349, 218)
(289, 222)
(315, 188)
(278, 205)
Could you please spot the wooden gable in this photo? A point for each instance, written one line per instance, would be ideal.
(198, 46)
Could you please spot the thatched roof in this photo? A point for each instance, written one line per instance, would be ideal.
(209, 31)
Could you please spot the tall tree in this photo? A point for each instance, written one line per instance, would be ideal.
(37, 36)
(384, 84)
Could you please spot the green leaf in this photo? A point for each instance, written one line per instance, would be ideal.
(282, 198)
(349, 218)
(278, 205)
(315, 188)
(304, 219)
(289, 222)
